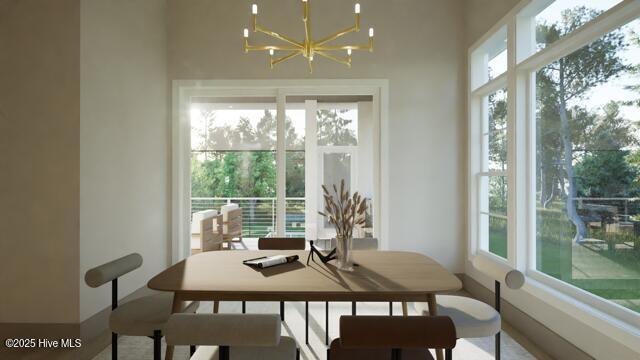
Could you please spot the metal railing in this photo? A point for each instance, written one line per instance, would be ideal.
(259, 213)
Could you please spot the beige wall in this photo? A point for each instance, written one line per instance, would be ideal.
(419, 48)
(40, 161)
(124, 142)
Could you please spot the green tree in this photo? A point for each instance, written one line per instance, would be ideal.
(606, 174)
(569, 79)
(333, 129)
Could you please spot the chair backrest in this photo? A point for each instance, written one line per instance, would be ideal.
(223, 329)
(211, 232)
(196, 217)
(232, 219)
(364, 244)
(278, 243)
(514, 279)
(112, 270)
(397, 332)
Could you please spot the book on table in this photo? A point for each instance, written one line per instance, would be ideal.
(269, 261)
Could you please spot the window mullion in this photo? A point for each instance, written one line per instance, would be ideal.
(512, 144)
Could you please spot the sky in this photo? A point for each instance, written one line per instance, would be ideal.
(232, 114)
(614, 89)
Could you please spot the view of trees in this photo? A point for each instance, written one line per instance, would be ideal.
(587, 162)
(240, 161)
(582, 151)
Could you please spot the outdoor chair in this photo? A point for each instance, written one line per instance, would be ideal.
(231, 224)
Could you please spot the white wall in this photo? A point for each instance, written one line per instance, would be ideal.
(124, 142)
(419, 48)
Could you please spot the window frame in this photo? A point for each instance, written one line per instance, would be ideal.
(519, 82)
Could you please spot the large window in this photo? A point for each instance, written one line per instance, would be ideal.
(561, 150)
(235, 155)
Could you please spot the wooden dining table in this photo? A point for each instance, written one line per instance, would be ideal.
(379, 276)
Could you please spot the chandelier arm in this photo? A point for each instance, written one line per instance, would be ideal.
(279, 36)
(336, 35)
(286, 57)
(271, 47)
(367, 47)
(307, 25)
(344, 61)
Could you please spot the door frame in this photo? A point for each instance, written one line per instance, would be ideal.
(184, 90)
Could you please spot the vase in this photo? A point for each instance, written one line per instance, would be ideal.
(343, 253)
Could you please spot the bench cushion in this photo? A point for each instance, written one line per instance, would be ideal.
(472, 318)
(141, 316)
(285, 350)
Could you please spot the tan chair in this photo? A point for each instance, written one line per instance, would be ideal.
(392, 338)
(231, 223)
(144, 316)
(211, 238)
(474, 318)
(231, 336)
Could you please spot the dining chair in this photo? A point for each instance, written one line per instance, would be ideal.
(356, 244)
(144, 316)
(231, 336)
(392, 338)
(474, 318)
(284, 243)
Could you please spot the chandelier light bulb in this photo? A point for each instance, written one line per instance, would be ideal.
(271, 52)
(246, 33)
(304, 0)
(357, 8)
(370, 32)
(349, 51)
(254, 9)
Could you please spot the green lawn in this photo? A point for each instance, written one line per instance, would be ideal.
(612, 274)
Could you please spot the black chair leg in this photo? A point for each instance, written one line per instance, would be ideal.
(498, 346)
(157, 345)
(297, 353)
(448, 354)
(390, 308)
(306, 322)
(114, 346)
(281, 310)
(192, 350)
(396, 354)
(244, 307)
(326, 323)
(353, 308)
(223, 352)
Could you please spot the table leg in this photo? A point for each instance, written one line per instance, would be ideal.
(176, 307)
(405, 309)
(216, 307)
(433, 311)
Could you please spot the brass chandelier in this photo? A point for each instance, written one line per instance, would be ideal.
(308, 47)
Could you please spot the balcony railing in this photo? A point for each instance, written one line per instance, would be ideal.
(259, 213)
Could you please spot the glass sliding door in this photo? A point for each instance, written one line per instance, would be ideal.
(234, 160)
